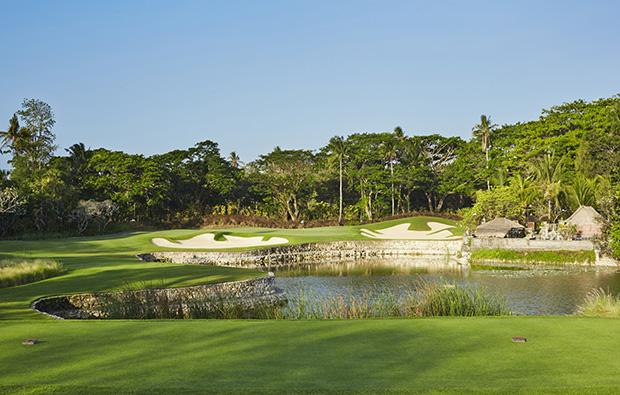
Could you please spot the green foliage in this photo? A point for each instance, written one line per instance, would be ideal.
(17, 271)
(614, 243)
(554, 257)
(456, 300)
(494, 203)
(286, 177)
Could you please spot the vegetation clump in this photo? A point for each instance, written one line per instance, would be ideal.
(17, 271)
(600, 303)
(441, 299)
(424, 299)
(555, 257)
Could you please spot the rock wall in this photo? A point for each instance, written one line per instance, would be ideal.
(88, 306)
(282, 255)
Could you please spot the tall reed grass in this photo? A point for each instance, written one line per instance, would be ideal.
(600, 303)
(443, 299)
(424, 299)
(17, 271)
(147, 301)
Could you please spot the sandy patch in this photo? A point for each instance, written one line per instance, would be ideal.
(401, 232)
(207, 241)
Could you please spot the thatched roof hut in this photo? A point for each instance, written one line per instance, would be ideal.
(587, 220)
(500, 228)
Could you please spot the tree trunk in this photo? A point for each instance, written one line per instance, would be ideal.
(340, 214)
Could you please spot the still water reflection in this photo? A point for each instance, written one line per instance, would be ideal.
(527, 290)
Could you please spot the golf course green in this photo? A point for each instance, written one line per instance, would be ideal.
(401, 355)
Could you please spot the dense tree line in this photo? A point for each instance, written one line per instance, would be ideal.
(570, 156)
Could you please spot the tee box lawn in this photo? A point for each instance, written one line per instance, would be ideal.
(424, 355)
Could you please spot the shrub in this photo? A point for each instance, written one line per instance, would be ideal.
(600, 303)
(17, 271)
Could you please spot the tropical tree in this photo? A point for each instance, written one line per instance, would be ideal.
(483, 131)
(549, 173)
(286, 177)
(13, 134)
(234, 160)
(390, 151)
(339, 150)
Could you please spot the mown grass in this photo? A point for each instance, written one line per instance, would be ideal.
(553, 257)
(17, 271)
(600, 303)
(431, 355)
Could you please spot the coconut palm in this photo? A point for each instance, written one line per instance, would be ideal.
(14, 133)
(549, 174)
(233, 158)
(582, 191)
(484, 131)
(339, 150)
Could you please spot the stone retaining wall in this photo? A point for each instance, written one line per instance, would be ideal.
(281, 255)
(87, 306)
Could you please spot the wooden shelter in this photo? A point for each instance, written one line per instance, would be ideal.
(500, 228)
(587, 220)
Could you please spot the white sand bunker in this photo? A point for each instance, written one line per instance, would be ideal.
(207, 241)
(401, 232)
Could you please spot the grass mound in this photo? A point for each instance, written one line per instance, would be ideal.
(600, 303)
(17, 271)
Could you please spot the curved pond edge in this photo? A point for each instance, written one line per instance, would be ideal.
(88, 305)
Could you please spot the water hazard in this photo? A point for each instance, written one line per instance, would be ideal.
(527, 290)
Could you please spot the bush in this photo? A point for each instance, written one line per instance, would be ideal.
(17, 271)
(600, 303)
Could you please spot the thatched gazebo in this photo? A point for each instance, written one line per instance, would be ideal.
(587, 220)
(500, 228)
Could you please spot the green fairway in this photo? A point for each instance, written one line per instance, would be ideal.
(455, 355)
(442, 355)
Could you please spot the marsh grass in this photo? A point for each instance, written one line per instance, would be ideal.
(423, 299)
(444, 299)
(17, 271)
(600, 303)
(146, 301)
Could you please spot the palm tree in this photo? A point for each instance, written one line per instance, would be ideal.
(549, 173)
(484, 131)
(14, 133)
(339, 149)
(233, 158)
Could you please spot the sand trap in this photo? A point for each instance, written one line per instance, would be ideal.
(401, 232)
(207, 241)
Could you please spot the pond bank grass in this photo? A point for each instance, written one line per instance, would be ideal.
(554, 257)
(17, 271)
(600, 303)
(424, 299)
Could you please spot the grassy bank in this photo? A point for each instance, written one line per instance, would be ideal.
(17, 271)
(533, 257)
(446, 355)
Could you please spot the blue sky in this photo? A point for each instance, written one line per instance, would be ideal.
(149, 77)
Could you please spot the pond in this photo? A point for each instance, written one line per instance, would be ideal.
(540, 290)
